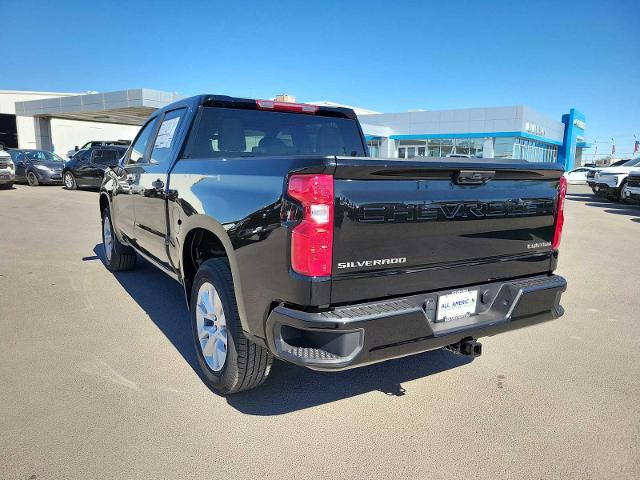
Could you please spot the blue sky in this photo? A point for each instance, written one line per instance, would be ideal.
(387, 56)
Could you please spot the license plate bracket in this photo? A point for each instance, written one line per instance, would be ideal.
(460, 303)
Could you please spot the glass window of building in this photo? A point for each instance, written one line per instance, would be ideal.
(374, 148)
(500, 147)
(446, 147)
(533, 151)
(433, 148)
(504, 147)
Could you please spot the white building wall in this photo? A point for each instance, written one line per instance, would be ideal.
(66, 134)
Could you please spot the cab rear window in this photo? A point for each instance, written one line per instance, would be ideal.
(227, 132)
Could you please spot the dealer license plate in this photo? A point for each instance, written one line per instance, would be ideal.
(460, 303)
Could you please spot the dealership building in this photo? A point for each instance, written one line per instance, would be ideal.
(61, 121)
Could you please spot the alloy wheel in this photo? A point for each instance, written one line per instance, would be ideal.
(212, 327)
(68, 180)
(107, 237)
(31, 179)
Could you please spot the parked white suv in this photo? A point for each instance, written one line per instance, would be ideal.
(612, 181)
(577, 176)
(632, 191)
(7, 170)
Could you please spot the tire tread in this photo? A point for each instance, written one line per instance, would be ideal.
(253, 361)
(123, 257)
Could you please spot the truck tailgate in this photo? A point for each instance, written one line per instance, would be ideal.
(412, 226)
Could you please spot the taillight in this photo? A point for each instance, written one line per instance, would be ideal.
(312, 238)
(286, 106)
(562, 192)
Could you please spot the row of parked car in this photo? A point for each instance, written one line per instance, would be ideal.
(86, 165)
(84, 168)
(619, 181)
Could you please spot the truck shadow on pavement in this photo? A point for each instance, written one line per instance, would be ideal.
(289, 387)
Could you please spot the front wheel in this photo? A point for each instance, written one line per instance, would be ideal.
(70, 181)
(622, 197)
(228, 360)
(32, 179)
(117, 256)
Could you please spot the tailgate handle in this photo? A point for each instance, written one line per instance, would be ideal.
(474, 177)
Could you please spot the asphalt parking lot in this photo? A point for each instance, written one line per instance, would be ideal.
(97, 376)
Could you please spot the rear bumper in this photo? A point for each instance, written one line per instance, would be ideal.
(357, 335)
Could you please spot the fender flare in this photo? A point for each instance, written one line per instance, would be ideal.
(207, 223)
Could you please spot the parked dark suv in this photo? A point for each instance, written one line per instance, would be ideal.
(98, 143)
(87, 167)
(37, 167)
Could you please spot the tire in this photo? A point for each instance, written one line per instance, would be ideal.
(7, 186)
(32, 179)
(117, 257)
(216, 328)
(621, 190)
(69, 181)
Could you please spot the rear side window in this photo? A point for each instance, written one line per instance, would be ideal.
(226, 132)
(108, 157)
(166, 137)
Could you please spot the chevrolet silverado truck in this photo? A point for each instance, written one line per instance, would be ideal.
(291, 243)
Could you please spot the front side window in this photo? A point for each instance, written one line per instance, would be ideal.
(82, 155)
(226, 132)
(140, 145)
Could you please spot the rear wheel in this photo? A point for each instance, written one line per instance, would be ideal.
(228, 360)
(69, 181)
(32, 179)
(117, 256)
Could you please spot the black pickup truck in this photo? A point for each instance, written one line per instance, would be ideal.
(291, 243)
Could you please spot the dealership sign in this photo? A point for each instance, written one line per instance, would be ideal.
(579, 123)
(534, 129)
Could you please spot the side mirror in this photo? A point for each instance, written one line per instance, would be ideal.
(76, 148)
